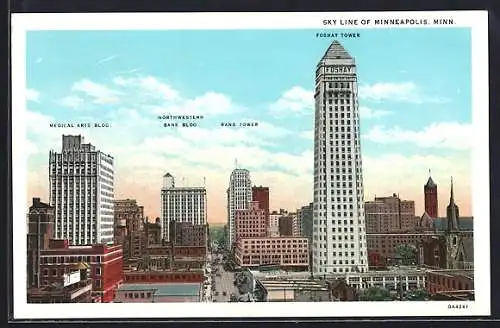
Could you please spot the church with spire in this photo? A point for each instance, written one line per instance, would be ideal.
(446, 250)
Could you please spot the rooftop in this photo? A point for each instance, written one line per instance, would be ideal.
(336, 51)
(185, 289)
(454, 273)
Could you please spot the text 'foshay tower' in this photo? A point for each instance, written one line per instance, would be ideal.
(339, 236)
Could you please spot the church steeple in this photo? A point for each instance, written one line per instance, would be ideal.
(452, 213)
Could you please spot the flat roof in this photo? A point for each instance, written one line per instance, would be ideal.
(453, 273)
(169, 289)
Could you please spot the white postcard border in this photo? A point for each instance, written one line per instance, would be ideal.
(476, 20)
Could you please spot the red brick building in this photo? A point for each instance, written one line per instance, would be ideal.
(385, 244)
(287, 252)
(261, 195)
(439, 281)
(40, 231)
(431, 198)
(106, 265)
(164, 276)
(251, 223)
(390, 214)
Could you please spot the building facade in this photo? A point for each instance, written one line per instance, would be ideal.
(449, 281)
(40, 231)
(305, 220)
(285, 225)
(105, 264)
(274, 219)
(261, 195)
(82, 192)
(181, 204)
(187, 234)
(153, 232)
(286, 252)
(431, 198)
(129, 230)
(239, 196)
(338, 215)
(390, 214)
(251, 222)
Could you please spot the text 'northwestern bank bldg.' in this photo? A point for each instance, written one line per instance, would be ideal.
(339, 236)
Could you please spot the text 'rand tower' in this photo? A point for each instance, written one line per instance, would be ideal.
(82, 192)
(339, 236)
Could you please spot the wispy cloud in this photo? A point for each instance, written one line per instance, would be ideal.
(402, 92)
(296, 100)
(72, 101)
(106, 59)
(100, 93)
(32, 95)
(367, 112)
(129, 71)
(450, 135)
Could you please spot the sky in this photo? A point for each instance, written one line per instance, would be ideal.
(414, 95)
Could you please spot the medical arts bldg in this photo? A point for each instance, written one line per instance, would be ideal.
(339, 241)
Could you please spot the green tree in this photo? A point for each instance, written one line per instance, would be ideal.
(418, 295)
(375, 294)
(407, 253)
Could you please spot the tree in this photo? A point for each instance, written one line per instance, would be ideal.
(375, 294)
(418, 295)
(407, 253)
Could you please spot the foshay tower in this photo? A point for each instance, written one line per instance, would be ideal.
(339, 236)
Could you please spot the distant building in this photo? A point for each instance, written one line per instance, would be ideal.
(188, 234)
(153, 232)
(40, 231)
(261, 195)
(181, 204)
(74, 286)
(82, 192)
(305, 216)
(286, 226)
(130, 215)
(286, 252)
(251, 222)
(105, 264)
(274, 224)
(431, 198)
(239, 196)
(390, 214)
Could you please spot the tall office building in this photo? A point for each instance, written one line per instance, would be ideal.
(339, 236)
(239, 196)
(181, 204)
(82, 192)
(390, 214)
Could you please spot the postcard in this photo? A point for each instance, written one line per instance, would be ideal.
(250, 164)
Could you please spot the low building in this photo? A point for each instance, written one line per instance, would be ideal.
(74, 286)
(153, 232)
(155, 277)
(446, 281)
(188, 234)
(159, 293)
(287, 252)
(295, 290)
(105, 262)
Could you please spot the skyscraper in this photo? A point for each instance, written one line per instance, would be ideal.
(431, 198)
(239, 196)
(181, 204)
(82, 192)
(339, 236)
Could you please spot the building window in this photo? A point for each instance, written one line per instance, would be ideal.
(97, 271)
(98, 283)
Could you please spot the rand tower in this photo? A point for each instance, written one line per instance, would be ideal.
(339, 236)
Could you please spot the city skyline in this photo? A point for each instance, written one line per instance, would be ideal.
(128, 89)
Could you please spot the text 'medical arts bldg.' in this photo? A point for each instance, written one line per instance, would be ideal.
(82, 192)
(339, 237)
